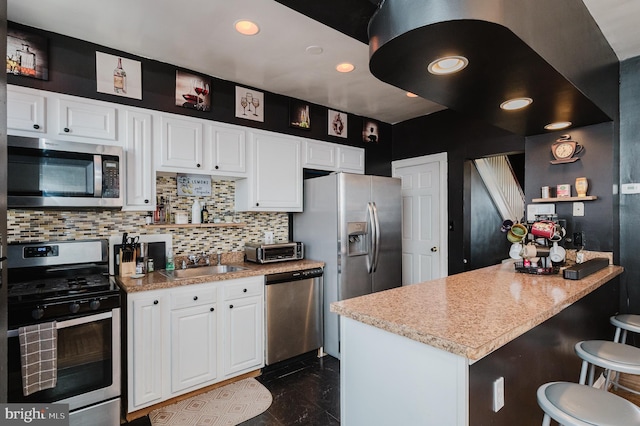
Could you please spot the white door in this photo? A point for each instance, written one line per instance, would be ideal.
(424, 217)
(243, 334)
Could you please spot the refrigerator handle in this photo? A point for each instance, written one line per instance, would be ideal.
(376, 252)
(373, 234)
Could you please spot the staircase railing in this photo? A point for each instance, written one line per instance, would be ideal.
(498, 177)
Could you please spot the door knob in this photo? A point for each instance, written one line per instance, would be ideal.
(434, 249)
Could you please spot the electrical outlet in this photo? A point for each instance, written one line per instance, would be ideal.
(578, 239)
(498, 394)
(578, 208)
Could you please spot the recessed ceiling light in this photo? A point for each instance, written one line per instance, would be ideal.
(247, 27)
(411, 95)
(345, 67)
(558, 125)
(516, 103)
(448, 65)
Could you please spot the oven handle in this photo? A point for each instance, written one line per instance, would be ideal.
(72, 322)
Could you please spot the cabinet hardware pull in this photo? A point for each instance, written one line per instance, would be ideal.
(198, 165)
(244, 291)
(146, 201)
(217, 167)
(434, 249)
(211, 309)
(36, 126)
(230, 306)
(195, 297)
(66, 130)
(155, 302)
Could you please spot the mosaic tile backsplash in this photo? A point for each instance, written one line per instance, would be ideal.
(48, 225)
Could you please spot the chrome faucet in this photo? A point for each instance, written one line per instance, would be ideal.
(219, 255)
(194, 258)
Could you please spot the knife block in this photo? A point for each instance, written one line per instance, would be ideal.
(126, 269)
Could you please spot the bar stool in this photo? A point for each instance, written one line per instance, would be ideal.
(571, 404)
(624, 323)
(608, 355)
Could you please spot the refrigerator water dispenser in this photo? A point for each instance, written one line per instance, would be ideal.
(357, 232)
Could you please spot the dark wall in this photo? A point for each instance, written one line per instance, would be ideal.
(72, 70)
(462, 139)
(629, 205)
(3, 207)
(543, 354)
(596, 164)
(488, 246)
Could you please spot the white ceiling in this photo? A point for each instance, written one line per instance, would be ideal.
(199, 35)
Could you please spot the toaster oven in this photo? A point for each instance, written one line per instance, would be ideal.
(278, 252)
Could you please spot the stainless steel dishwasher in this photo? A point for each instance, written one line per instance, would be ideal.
(293, 313)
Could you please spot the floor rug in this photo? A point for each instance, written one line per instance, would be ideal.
(228, 405)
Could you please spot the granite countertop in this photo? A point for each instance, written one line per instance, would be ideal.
(155, 280)
(473, 313)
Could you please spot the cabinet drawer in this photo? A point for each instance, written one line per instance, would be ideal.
(193, 297)
(250, 287)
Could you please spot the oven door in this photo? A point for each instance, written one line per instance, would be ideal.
(88, 362)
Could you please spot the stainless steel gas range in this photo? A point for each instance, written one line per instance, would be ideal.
(66, 286)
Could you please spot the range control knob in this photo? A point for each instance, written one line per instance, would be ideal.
(74, 307)
(95, 304)
(37, 313)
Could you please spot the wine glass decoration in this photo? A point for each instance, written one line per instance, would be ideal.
(244, 103)
(249, 100)
(256, 103)
(248, 103)
(193, 91)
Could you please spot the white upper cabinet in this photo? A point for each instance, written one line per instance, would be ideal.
(26, 112)
(350, 159)
(275, 175)
(140, 177)
(319, 155)
(87, 119)
(332, 157)
(181, 145)
(225, 151)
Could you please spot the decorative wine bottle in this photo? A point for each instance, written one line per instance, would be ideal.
(119, 78)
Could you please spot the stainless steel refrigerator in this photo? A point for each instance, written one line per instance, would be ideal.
(353, 224)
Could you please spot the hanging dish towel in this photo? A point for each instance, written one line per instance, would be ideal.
(38, 356)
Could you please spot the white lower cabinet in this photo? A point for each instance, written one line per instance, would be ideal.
(244, 335)
(144, 341)
(180, 339)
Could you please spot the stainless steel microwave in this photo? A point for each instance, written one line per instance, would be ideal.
(57, 174)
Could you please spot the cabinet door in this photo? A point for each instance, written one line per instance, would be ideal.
(243, 334)
(145, 353)
(181, 146)
(350, 159)
(26, 111)
(193, 346)
(86, 119)
(227, 153)
(319, 155)
(141, 180)
(276, 183)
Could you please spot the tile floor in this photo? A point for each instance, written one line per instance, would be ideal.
(305, 390)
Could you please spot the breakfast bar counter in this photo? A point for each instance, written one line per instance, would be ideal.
(430, 353)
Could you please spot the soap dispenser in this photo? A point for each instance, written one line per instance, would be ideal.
(196, 212)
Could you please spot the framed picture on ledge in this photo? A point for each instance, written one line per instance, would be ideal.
(299, 117)
(27, 54)
(337, 124)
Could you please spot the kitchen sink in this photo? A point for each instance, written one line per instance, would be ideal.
(201, 271)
